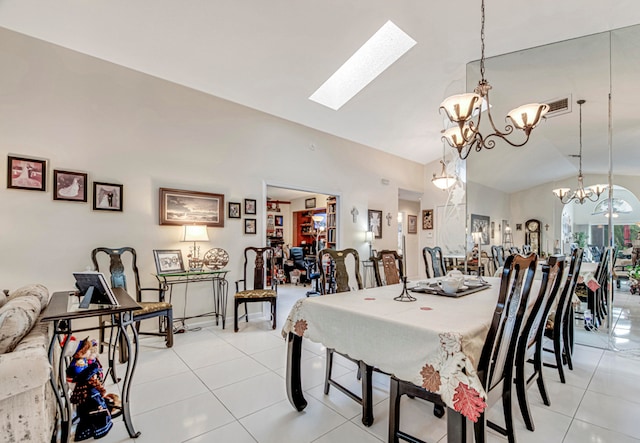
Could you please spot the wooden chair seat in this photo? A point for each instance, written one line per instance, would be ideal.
(257, 293)
(152, 306)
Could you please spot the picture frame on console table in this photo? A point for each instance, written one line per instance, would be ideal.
(107, 197)
(69, 186)
(26, 173)
(168, 261)
(181, 207)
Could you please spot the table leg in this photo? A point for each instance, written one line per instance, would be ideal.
(366, 372)
(294, 383)
(132, 352)
(459, 428)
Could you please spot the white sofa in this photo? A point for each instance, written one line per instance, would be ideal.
(27, 402)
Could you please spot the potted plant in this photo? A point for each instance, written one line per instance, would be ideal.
(634, 279)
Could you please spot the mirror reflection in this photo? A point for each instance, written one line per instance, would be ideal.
(510, 190)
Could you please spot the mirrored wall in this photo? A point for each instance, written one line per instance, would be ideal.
(512, 186)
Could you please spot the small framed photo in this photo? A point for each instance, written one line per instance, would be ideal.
(412, 224)
(427, 219)
(26, 173)
(107, 197)
(69, 186)
(234, 210)
(168, 261)
(310, 203)
(250, 226)
(374, 221)
(249, 206)
(279, 220)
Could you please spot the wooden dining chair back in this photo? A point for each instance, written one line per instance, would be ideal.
(253, 287)
(495, 368)
(514, 250)
(526, 249)
(597, 297)
(434, 262)
(497, 253)
(560, 330)
(341, 271)
(392, 267)
(529, 350)
(156, 307)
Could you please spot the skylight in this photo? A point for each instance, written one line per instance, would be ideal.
(386, 46)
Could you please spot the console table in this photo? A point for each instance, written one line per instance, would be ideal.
(62, 311)
(219, 289)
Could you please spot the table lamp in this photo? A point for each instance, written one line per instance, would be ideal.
(368, 238)
(195, 233)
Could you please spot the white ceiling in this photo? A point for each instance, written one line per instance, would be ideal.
(271, 55)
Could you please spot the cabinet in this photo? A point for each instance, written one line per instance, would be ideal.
(331, 222)
(304, 233)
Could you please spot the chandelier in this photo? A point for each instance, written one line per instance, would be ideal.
(581, 194)
(463, 108)
(444, 180)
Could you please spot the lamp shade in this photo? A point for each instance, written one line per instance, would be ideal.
(195, 233)
(368, 236)
(458, 137)
(460, 107)
(527, 117)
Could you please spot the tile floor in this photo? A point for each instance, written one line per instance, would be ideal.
(217, 386)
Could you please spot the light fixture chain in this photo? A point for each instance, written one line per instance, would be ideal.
(482, 43)
(580, 135)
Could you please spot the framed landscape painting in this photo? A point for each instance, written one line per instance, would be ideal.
(26, 173)
(180, 207)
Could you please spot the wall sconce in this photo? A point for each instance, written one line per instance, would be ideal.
(195, 233)
(368, 238)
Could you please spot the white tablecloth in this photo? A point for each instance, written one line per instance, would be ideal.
(434, 342)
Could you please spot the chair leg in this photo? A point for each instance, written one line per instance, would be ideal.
(327, 375)
(235, 316)
(101, 335)
(394, 410)
(273, 312)
(246, 313)
(557, 350)
(567, 348)
(480, 429)
(169, 329)
(508, 415)
(521, 393)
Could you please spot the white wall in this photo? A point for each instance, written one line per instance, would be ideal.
(414, 264)
(121, 126)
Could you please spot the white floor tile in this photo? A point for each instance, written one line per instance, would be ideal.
(581, 432)
(159, 393)
(610, 413)
(251, 395)
(312, 372)
(232, 433)
(348, 432)
(281, 423)
(229, 372)
(198, 354)
(255, 341)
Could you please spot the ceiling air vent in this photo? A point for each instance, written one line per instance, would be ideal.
(559, 106)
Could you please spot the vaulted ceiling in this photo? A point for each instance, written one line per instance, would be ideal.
(271, 55)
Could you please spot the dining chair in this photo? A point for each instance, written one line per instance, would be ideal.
(597, 298)
(335, 277)
(156, 308)
(514, 250)
(560, 332)
(497, 255)
(529, 350)
(495, 368)
(434, 262)
(526, 249)
(392, 266)
(254, 286)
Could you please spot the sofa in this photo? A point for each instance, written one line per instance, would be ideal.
(27, 401)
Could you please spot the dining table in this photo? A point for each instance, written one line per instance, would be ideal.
(434, 342)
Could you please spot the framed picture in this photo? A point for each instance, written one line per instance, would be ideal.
(26, 173)
(427, 219)
(180, 207)
(234, 210)
(480, 224)
(375, 222)
(70, 186)
(249, 206)
(412, 224)
(279, 220)
(310, 203)
(250, 226)
(107, 197)
(168, 261)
